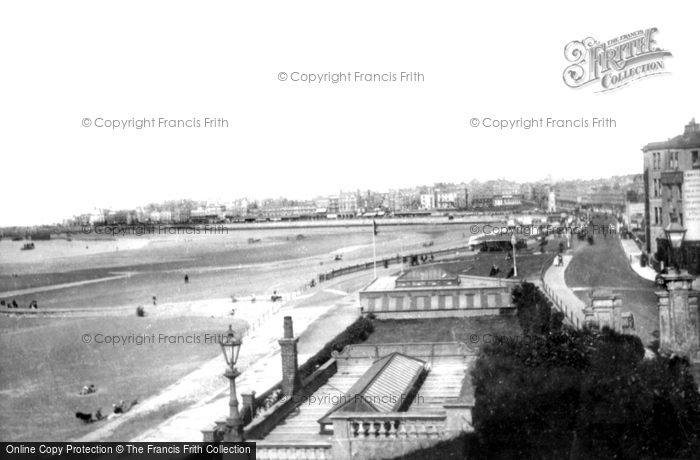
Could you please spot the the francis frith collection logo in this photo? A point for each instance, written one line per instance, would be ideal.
(616, 62)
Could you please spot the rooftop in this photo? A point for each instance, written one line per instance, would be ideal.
(378, 388)
(388, 283)
(434, 274)
(688, 140)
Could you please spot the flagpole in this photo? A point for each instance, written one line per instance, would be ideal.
(374, 250)
(514, 241)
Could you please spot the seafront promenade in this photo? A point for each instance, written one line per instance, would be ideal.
(319, 223)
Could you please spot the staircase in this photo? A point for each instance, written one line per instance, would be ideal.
(298, 437)
(442, 386)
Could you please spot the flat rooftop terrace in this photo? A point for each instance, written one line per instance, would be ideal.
(388, 283)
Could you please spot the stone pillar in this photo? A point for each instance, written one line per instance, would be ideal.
(248, 406)
(342, 444)
(290, 365)
(607, 309)
(458, 418)
(678, 316)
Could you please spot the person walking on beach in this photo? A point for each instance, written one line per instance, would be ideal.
(154, 300)
(187, 279)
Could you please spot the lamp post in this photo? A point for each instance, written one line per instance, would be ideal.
(231, 346)
(675, 233)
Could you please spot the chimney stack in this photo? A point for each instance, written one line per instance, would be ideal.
(288, 327)
(290, 365)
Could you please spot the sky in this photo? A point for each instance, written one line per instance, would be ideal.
(65, 62)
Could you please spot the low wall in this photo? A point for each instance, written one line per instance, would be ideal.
(261, 426)
(387, 262)
(375, 435)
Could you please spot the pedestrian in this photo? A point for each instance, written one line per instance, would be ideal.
(187, 279)
(154, 300)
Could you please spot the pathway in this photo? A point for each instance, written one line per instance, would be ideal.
(563, 297)
(316, 321)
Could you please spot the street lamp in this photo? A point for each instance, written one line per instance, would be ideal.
(231, 346)
(675, 233)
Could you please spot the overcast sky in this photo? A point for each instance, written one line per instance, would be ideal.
(66, 61)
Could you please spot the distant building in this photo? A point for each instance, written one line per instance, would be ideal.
(507, 200)
(427, 200)
(349, 204)
(552, 201)
(634, 216)
(672, 182)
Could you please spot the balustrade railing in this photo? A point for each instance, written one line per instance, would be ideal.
(396, 426)
(293, 451)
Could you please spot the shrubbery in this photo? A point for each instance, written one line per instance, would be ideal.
(566, 393)
(357, 332)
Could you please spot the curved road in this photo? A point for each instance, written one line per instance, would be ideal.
(605, 265)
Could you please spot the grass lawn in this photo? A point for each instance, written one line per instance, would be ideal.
(45, 364)
(529, 264)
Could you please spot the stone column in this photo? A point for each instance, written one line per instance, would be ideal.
(458, 418)
(678, 316)
(607, 309)
(342, 443)
(290, 365)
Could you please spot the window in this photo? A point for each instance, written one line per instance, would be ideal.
(656, 216)
(696, 158)
(656, 188)
(680, 218)
(673, 160)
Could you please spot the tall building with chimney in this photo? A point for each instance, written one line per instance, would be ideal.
(672, 185)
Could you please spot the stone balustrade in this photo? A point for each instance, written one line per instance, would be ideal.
(305, 451)
(391, 427)
(385, 435)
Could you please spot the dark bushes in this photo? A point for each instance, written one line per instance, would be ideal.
(565, 393)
